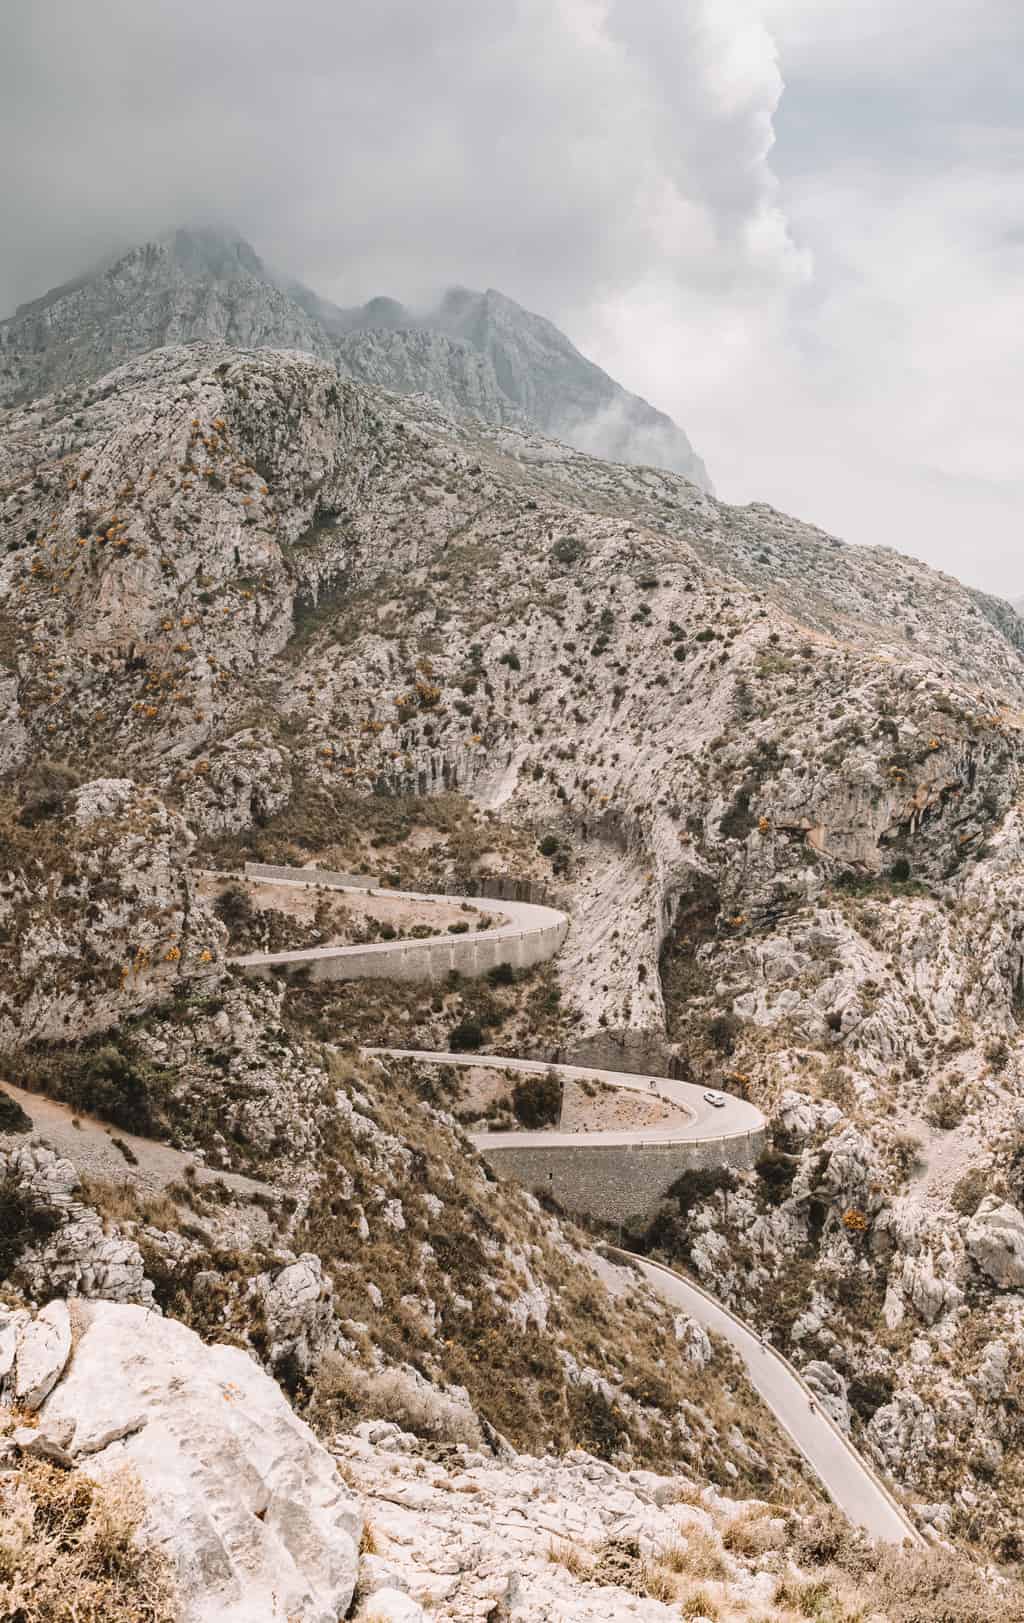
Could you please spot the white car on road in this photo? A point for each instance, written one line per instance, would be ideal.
(716, 1099)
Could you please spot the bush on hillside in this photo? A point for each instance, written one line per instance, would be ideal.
(537, 1100)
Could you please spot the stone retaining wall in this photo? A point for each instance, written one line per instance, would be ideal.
(312, 876)
(616, 1182)
(430, 959)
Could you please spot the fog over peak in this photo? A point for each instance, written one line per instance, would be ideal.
(795, 228)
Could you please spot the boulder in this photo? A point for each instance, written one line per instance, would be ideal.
(239, 1494)
(391, 1606)
(12, 1322)
(44, 1346)
(298, 1306)
(995, 1239)
(693, 1340)
(82, 1259)
(801, 1116)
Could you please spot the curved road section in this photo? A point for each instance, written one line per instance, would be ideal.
(734, 1119)
(850, 1482)
(848, 1479)
(527, 934)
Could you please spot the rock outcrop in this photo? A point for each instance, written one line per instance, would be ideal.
(995, 1239)
(239, 1495)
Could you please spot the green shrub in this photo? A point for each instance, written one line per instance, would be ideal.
(869, 1393)
(537, 1100)
(465, 1036)
(694, 1187)
(23, 1222)
(235, 910)
(12, 1118)
(777, 1171)
(722, 1032)
(102, 1080)
(567, 551)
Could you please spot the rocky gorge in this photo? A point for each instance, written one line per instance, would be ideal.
(254, 609)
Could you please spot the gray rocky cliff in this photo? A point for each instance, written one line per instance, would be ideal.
(477, 354)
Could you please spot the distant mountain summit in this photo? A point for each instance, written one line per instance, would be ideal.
(477, 353)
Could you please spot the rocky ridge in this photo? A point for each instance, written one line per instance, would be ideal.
(477, 353)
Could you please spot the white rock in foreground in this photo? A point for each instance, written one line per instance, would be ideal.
(239, 1494)
(477, 1537)
(42, 1351)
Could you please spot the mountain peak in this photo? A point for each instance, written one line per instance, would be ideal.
(479, 354)
(212, 250)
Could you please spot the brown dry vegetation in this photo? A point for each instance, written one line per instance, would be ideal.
(68, 1552)
(514, 1374)
(377, 834)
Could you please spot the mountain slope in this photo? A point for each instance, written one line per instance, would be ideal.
(559, 390)
(774, 781)
(476, 353)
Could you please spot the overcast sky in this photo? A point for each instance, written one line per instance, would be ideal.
(797, 225)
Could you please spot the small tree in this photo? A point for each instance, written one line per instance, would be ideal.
(465, 1036)
(537, 1100)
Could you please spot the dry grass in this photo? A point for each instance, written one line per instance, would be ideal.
(696, 1556)
(699, 1603)
(939, 1586)
(368, 1541)
(68, 1552)
(754, 1533)
(901, 1586)
(575, 1561)
(124, 1203)
(659, 1583)
(346, 1392)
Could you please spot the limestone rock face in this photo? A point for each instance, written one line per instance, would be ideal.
(298, 1306)
(187, 285)
(477, 1537)
(485, 354)
(995, 1239)
(239, 1494)
(81, 1259)
(829, 1388)
(128, 928)
(43, 1348)
(244, 782)
(80, 1256)
(693, 1339)
(476, 353)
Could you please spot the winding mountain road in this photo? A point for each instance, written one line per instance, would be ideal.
(734, 1119)
(853, 1485)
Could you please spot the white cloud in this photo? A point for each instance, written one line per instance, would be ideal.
(881, 396)
(553, 147)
